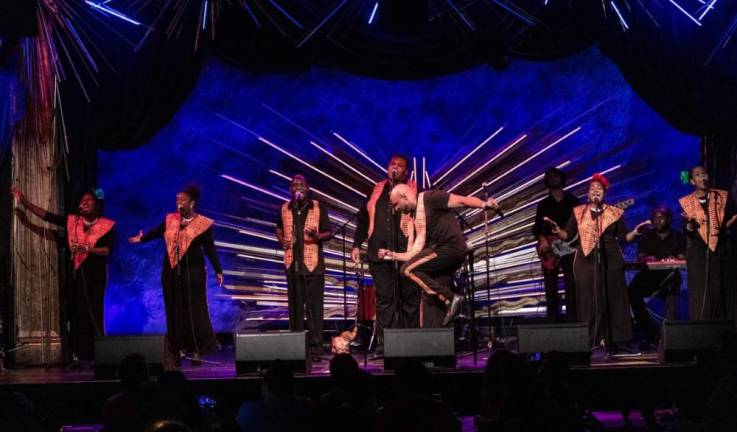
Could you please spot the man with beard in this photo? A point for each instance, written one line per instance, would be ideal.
(436, 248)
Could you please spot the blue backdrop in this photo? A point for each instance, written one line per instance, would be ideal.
(217, 132)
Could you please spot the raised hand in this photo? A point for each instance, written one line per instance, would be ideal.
(136, 238)
(17, 194)
(491, 203)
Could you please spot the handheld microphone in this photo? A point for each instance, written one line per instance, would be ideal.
(299, 196)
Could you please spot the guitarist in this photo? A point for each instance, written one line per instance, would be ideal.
(558, 207)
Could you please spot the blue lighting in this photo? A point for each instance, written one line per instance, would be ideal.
(441, 119)
(373, 12)
(106, 10)
(619, 14)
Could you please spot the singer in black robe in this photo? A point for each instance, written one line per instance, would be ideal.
(598, 267)
(709, 214)
(188, 237)
(90, 239)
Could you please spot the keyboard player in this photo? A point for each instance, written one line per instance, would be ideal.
(658, 244)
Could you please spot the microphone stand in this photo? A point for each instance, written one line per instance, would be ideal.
(487, 236)
(708, 255)
(343, 229)
(470, 292)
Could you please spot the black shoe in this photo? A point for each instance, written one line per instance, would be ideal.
(453, 308)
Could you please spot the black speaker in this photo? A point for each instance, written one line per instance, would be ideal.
(111, 350)
(572, 340)
(433, 346)
(682, 340)
(257, 351)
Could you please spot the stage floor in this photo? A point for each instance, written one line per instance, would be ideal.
(221, 365)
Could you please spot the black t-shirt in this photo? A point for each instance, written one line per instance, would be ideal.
(442, 227)
(672, 245)
(558, 211)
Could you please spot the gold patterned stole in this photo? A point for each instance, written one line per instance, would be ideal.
(310, 251)
(405, 224)
(587, 227)
(77, 235)
(717, 204)
(176, 235)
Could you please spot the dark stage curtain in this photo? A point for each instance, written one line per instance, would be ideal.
(667, 59)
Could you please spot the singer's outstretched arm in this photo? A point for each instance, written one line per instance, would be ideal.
(154, 234)
(38, 211)
(455, 201)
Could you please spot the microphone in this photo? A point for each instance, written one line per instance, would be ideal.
(299, 196)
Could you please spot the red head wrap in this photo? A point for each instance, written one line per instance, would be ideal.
(599, 178)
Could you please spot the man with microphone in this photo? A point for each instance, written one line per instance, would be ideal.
(397, 300)
(302, 226)
(709, 215)
(436, 248)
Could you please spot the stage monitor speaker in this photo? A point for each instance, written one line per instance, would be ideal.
(680, 341)
(257, 351)
(111, 350)
(570, 339)
(433, 346)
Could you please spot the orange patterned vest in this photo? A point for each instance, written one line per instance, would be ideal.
(310, 250)
(76, 235)
(587, 229)
(405, 224)
(175, 234)
(717, 203)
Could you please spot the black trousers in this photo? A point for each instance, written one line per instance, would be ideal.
(667, 283)
(432, 270)
(552, 299)
(305, 294)
(397, 298)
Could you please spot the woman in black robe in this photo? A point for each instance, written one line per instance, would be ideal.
(90, 239)
(598, 266)
(709, 214)
(188, 237)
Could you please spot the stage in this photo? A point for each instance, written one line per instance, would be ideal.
(609, 384)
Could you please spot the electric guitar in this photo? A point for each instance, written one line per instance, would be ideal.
(550, 256)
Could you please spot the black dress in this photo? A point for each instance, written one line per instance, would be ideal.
(185, 297)
(85, 296)
(718, 301)
(601, 291)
